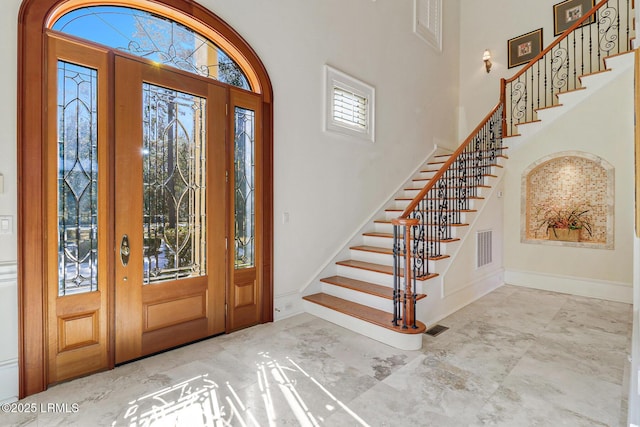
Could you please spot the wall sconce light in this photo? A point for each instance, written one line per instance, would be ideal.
(486, 57)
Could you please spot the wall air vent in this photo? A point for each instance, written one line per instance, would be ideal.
(484, 247)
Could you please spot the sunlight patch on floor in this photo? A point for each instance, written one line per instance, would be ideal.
(201, 401)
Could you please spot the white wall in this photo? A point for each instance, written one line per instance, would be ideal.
(8, 204)
(489, 218)
(330, 184)
(460, 282)
(9, 335)
(634, 381)
(489, 24)
(601, 125)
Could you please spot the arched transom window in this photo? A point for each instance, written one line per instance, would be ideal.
(153, 37)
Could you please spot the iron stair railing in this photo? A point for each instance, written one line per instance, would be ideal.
(426, 223)
(605, 30)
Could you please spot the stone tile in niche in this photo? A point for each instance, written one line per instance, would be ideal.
(570, 179)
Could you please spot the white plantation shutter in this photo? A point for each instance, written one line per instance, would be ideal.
(349, 105)
(349, 108)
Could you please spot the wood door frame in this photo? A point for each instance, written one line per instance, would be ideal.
(33, 19)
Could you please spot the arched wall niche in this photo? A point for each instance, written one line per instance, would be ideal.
(34, 19)
(566, 181)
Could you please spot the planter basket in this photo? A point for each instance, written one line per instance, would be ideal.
(564, 234)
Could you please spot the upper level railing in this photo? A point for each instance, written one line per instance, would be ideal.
(427, 222)
(605, 30)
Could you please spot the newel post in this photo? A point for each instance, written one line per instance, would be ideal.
(404, 295)
(503, 101)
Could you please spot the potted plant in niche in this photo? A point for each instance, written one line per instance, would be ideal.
(564, 223)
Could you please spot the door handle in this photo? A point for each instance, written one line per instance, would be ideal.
(125, 250)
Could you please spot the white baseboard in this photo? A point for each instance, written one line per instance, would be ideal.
(9, 332)
(432, 311)
(592, 288)
(287, 305)
(9, 381)
(362, 327)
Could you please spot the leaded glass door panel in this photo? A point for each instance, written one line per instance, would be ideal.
(170, 208)
(247, 224)
(78, 230)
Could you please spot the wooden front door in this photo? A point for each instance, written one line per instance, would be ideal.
(154, 177)
(170, 199)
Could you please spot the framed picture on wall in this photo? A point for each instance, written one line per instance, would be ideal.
(524, 48)
(566, 14)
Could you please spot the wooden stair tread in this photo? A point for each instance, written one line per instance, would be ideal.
(593, 73)
(441, 198)
(386, 221)
(385, 269)
(429, 179)
(441, 162)
(361, 286)
(362, 312)
(468, 167)
(569, 91)
(453, 186)
(528, 122)
(390, 235)
(378, 268)
(364, 287)
(449, 210)
(389, 251)
(547, 107)
(374, 249)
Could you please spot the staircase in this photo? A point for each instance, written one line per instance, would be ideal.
(401, 256)
(360, 295)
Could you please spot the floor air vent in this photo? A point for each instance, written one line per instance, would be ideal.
(436, 330)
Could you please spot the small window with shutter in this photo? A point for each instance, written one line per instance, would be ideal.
(349, 105)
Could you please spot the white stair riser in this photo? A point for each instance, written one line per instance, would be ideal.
(380, 242)
(412, 194)
(388, 228)
(369, 300)
(374, 277)
(391, 215)
(372, 257)
(465, 217)
(385, 242)
(365, 275)
(386, 336)
(416, 186)
(381, 259)
(546, 114)
(402, 204)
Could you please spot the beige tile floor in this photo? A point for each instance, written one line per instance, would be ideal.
(516, 357)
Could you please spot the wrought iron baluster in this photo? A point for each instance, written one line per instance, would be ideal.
(397, 256)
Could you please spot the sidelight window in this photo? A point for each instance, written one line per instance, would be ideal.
(77, 179)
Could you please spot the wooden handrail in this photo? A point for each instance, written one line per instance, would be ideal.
(447, 164)
(419, 223)
(564, 35)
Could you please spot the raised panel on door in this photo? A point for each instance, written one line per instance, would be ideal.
(170, 208)
(78, 232)
(245, 295)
